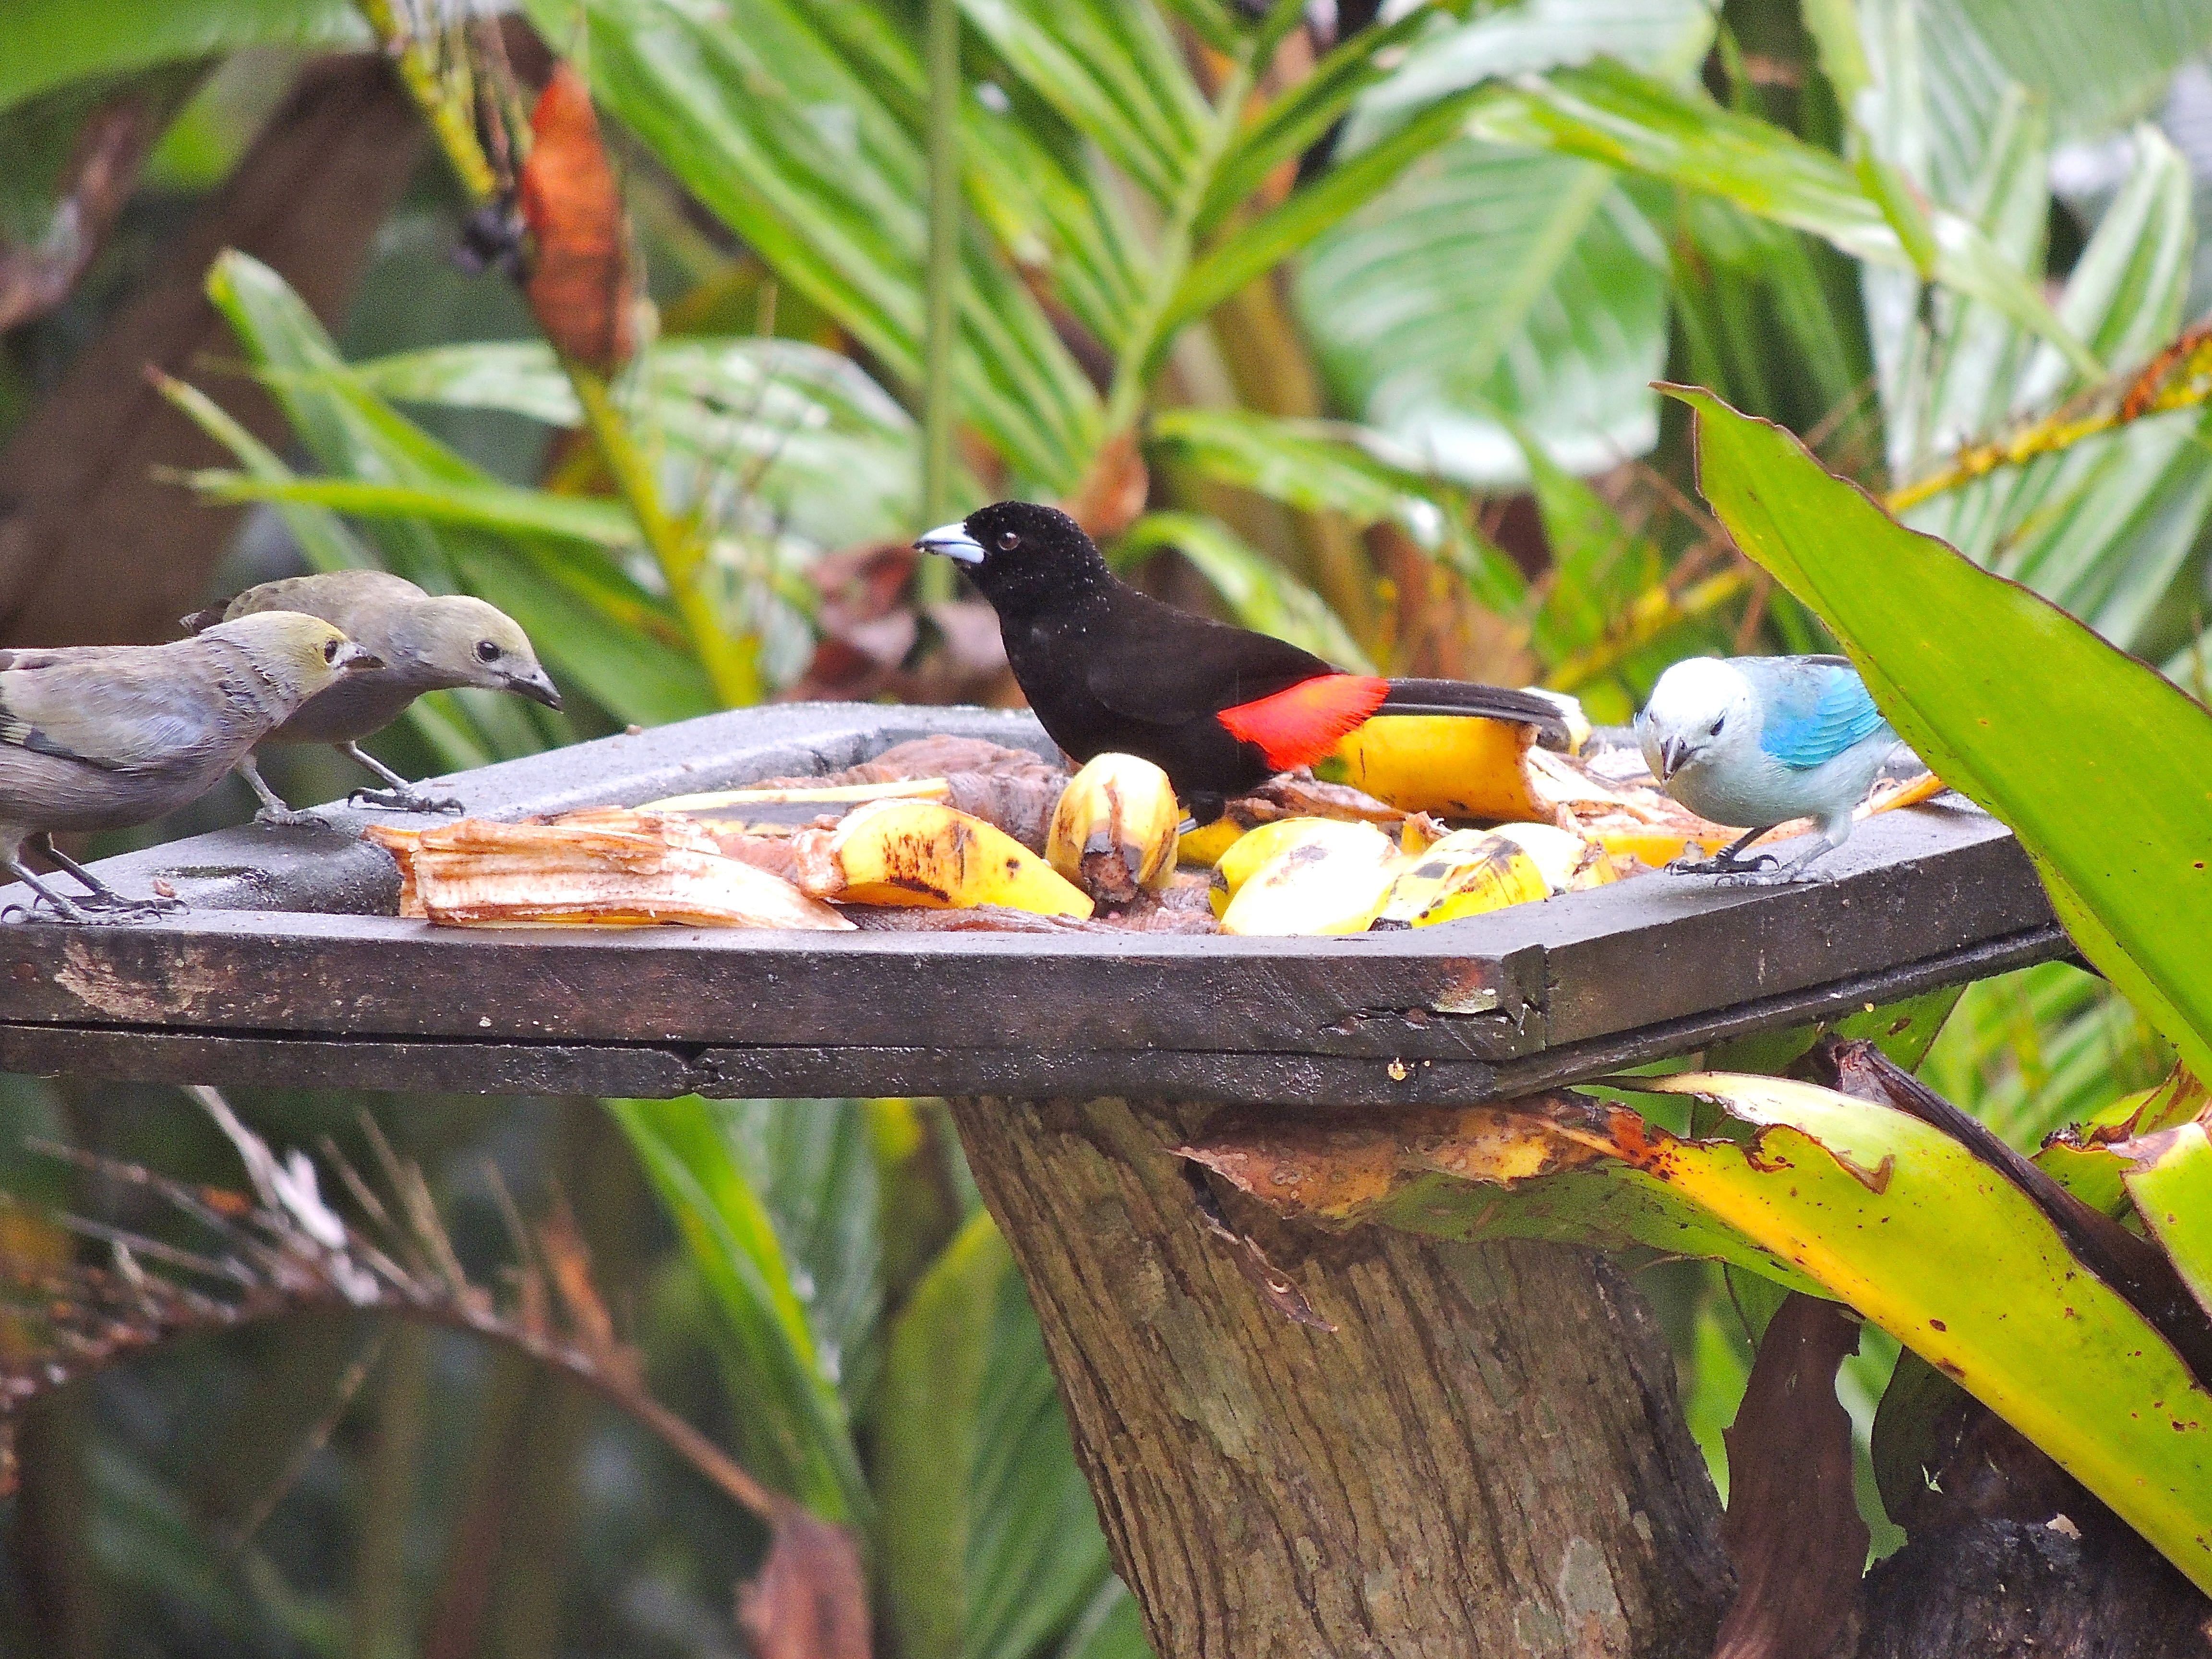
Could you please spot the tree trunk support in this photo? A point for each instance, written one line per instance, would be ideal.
(1485, 1457)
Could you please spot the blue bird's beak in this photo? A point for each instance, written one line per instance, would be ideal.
(1670, 757)
(953, 541)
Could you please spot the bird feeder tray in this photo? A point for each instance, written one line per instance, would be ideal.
(291, 967)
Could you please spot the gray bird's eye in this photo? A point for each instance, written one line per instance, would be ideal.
(330, 650)
(1008, 541)
(1714, 730)
(486, 651)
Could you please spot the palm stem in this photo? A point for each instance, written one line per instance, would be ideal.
(732, 660)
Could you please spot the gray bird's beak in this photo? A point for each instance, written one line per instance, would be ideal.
(953, 541)
(538, 687)
(1670, 757)
(353, 659)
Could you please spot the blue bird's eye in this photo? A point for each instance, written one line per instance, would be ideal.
(1715, 729)
(486, 651)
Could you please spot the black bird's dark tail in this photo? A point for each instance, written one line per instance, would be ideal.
(1495, 702)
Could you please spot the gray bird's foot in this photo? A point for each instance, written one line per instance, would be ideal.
(119, 909)
(122, 907)
(1783, 877)
(404, 800)
(288, 817)
(1728, 863)
(51, 905)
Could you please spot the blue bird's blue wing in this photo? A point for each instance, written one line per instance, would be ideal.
(1815, 711)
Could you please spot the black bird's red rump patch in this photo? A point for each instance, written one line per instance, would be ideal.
(1296, 727)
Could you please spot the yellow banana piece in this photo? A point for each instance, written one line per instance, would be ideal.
(1467, 873)
(1455, 766)
(1116, 828)
(1255, 847)
(1321, 877)
(1569, 862)
(923, 853)
(1204, 845)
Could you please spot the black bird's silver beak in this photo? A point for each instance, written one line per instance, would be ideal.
(1670, 757)
(953, 541)
(538, 687)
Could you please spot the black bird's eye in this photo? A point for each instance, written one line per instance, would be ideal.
(1008, 541)
(486, 651)
(330, 650)
(1714, 730)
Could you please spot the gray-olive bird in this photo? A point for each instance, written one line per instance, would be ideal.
(428, 642)
(109, 737)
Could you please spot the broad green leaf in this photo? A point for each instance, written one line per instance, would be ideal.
(813, 1163)
(50, 42)
(2108, 528)
(988, 1541)
(2029, 1053)
(1249, 251)
(500, 508)
(2170, 1179)
(2011, 701)
(1114, 72)
(322, 536)
(1111, 1627)
(2087, 1159)
(1035, 1554)
(925, 1439)
(1864, 1198)
(1258, 592)
(754, 107)
(1297, 119)
(784, 1408)
(2099, 65)
(1317, 466)
(1878, 1209)
(1606, 113)
(806, 436)
(1490, 283)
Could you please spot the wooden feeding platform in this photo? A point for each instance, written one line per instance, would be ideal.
(1472, 1448)
(292, 968)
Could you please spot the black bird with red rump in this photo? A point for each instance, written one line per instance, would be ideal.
(1220, 710)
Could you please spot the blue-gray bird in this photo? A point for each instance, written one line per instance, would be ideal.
(108, 737)
(1760, 740)
(428, 642)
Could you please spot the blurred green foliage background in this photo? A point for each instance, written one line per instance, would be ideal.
(1341, 326)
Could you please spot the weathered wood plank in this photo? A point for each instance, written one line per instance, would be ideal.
(462, 1066)
(290, 942)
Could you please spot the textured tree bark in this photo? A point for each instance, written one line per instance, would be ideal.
(2017, 1590)
(94, 548)
(1485, 1456)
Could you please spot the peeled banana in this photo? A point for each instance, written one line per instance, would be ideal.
(1568, 862)
(1467, 873)
(624, 870)
(1115, 830)
(1452, 765)
(922, 853)
(1307, 876)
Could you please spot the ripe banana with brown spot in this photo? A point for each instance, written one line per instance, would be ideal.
(1115, 830)
(921, 853)
(1305, 876)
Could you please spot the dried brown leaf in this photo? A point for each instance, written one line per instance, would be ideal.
(810, 1600)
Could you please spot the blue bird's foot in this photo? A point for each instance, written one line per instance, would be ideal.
(1782, 877)
(1728, 863)
(404, 800)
